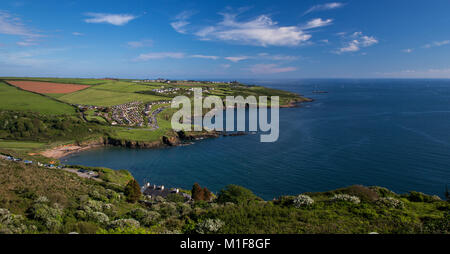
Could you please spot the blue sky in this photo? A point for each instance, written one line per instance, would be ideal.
(226, 39)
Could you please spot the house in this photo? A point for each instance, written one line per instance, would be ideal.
(153, 191)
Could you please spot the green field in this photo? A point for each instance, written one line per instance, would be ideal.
(21, 145)
(101, 97)
(12, 98)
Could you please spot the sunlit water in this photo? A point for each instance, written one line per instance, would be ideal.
(391, 133)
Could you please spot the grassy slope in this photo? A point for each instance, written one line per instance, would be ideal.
(22, 184)
(12, 98)
(111, 93)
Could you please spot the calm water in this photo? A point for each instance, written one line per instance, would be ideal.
(391, 133)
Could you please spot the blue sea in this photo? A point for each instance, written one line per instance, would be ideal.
(390, 133)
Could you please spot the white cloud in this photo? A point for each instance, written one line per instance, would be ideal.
(77, 34)
(12, 25)
(324, 7)
(236, 59)
(315, 23)
(437, 44)
(205, 57)
(270, 69)
(26, 43)
(140, 44)
(407, 51)
(160, 55)
(181, 21)
(179, 26)
(113, 19)
(260, 31)
(358, 41)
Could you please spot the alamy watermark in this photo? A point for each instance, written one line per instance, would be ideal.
(191, 118)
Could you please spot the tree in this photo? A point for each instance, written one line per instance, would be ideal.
(197, 192)
(133, 191)
(207, 195)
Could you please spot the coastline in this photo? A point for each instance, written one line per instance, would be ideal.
(179, 140)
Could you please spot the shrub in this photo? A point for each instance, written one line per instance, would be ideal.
(98, 217)
(415, 196)
(124, 223)
(236, 194)
(209, 226)
(303, 201)
(133, 191)
(50, 216)
(390, 203)
(145, 217)
(345, 198)
(362, 192)
(173, 197)
(13, 224)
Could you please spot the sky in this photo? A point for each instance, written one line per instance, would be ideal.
(224, 40)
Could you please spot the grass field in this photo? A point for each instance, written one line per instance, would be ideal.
(21, 145)
(12, 98)
(103, 97)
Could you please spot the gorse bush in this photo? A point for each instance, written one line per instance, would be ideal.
(303, 201)
(13, 224)
(390, 203)
(345, 198)
(124, 223)
(49, 214)
(209, 226)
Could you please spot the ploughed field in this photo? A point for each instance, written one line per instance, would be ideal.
(47, 87)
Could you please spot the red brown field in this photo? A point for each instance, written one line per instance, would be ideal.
(47, 87)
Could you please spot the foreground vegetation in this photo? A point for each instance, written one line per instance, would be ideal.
(42, 200)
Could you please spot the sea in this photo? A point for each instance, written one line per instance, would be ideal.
(390, 133)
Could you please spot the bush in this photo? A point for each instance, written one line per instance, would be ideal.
(123, 224)
(133, 191)
(303, 201)
(362, 192)
(345, 198)
(390, 203)
(173, 197)
(209, 226)
(145, 217)
(236, 194)
(50, 216)
(98, 217)
(13, 224)
(415, 196)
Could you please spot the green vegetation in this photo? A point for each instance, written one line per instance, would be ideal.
(12, 98)
(21, 145)
(42, 200)
(132, 191)
(22, 126)
(103, 97)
